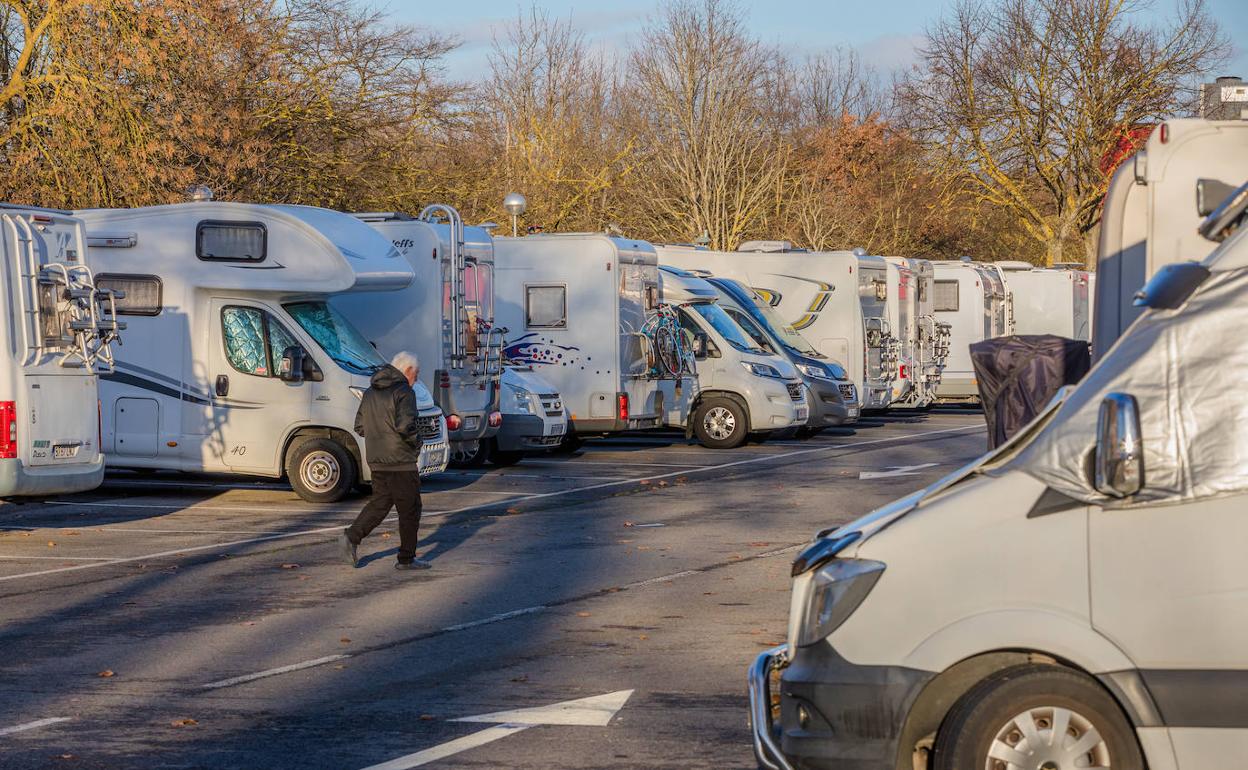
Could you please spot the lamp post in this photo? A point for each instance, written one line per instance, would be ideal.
(515, 204)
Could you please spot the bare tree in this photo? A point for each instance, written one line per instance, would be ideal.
(1026, 97)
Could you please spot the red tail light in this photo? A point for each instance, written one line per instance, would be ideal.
(444, 380)
(621, 401)
(453, 422)
(496, 419)
(904, 371)
(8, 430)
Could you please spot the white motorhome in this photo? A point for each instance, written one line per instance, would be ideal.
(883, 347)
(576, 308)
(1001, 311)
(58, 331)
(1049, 300)
(1153, 206)
(743, 389)
(445, 316)
(910, 388)
(932, 335)
(237, 363)
(815, 292)
(962, 296)
(1074, 599)
(534, 419)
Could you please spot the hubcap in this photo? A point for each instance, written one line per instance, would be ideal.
(720, 423)
(1047, 738)
(320, 471)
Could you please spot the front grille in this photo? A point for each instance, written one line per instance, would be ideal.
(795, 391)
(848, 392)
(549, 396)
(551, 404)
(430, 427)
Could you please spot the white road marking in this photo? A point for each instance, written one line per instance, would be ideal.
(62, 558)
(274, 671)
(662, 578)
(32, 725)
(896, 470)
(261, 507)
(496, 618)
(450, 748)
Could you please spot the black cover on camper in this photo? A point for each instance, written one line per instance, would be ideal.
(1018, 375)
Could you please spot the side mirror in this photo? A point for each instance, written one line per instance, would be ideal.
(700, 344)
(291, 369)
(1119, 451)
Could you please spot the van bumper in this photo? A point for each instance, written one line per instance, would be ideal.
(527, 433)
(19, 480)
(834, 715)
(828, 408)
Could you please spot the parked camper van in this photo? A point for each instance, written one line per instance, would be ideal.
(575, 307)
(59, 331)
(883, 346)
(963, 298)
(1153, 206)
(445, 316)
(238, 363)
(1073, 599)
(1001, 311)
(742, 388)
(534, 419)
(815, 292)
(929, 337)
(1049, 301)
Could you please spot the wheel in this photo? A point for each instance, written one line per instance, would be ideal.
(321, 470)
(468, 454)
(720, 423)
(1036, 718)
(668, 350)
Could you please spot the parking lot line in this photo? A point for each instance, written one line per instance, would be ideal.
(275, 671)
(62, 558)
(32, 725)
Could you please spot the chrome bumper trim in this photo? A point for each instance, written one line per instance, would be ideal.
(766, 750)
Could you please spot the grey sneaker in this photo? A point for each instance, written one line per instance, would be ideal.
(348, 549)
(413, 564)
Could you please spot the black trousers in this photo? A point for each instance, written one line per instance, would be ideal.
(392, 489)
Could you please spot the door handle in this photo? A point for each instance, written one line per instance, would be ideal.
(223, 385)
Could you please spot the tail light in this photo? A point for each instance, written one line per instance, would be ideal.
(496, 419)
(453, 422)
(8, 430)
(904, 371)
(444, 380)
(621, 401)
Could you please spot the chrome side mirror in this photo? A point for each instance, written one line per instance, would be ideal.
(1119, 451)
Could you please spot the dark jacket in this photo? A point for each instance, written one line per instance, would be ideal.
(387, 420)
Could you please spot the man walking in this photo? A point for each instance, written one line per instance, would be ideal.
(387, 421)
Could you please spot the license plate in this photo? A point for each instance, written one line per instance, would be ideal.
(64, 452)
(853, 411)
(555, 430)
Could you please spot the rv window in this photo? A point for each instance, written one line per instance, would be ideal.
(231, 241)
(946, 299)
(143, 293)
(243, 329)
(546, 307)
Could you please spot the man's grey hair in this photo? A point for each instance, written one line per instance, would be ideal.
(405, 360)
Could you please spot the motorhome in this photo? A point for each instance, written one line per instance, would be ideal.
(576, 307)
(931, 336)
(59, 333)
(883, 346)
(1001, 310)
(1154, 204)
(962, 296)
(445, 316)
(743, 390)
(534, 418)
(914, 639)
(816, 293)
(1049, 300)
(237, 362)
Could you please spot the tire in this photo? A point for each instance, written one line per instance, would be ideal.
(571, 443)
(982, 730)
(720, 423)
(473, 457)
(321, 470)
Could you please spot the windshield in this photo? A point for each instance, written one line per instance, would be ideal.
(785, 331)
(713, 314)
(336, 336)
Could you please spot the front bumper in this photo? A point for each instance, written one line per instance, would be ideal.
(828, 408)
(529, 433)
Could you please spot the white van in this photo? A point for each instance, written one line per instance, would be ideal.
(742, 389)
(534, 419)
(445, 316)
(1049, 300)
(962, 297)
(1074, 599)
(58, 331)
(575, 307)
(236, 361)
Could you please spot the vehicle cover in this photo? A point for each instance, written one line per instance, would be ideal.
(1018, 375)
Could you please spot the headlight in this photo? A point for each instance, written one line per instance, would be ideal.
(524, 400)
(835, 591)
(814, 370)
(761, 370)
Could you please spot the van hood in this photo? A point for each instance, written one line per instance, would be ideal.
(524, 377)
(424, 399)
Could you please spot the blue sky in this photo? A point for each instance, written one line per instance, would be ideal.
(885, 32)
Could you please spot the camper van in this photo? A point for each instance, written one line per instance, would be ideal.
(931, 345)
(534, 419)
(1001, 301)
(743, 389)
(1073, 599)
(1049, 300)
(59, 332)
(1152, 209)
(576, 307)
(883, 347)
(814, 292)
(445, 316)
(911, 388)
(238, 363)
(962, 296)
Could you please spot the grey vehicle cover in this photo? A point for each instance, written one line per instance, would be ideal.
(1018, 376)
(1186, 369)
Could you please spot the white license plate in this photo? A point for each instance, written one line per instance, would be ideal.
(556, 429)
(64, 452)
(853, 411)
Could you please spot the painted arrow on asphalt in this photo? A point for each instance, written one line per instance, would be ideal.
(896, 470)
(595, 711)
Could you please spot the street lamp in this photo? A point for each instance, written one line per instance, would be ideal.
(515, 204)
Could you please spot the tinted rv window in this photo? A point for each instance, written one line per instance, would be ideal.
(546, 307)
(946, 299)
(142, 292)
(254, 340)
(231, 241)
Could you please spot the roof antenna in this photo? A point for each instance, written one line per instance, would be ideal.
(199, 193)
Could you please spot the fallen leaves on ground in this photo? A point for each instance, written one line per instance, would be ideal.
(386, 535)
(183, 722)
(759, 545)
(290, 565)
(629, 524)
(521, 678)
(513, 511)
(106, 673)
(51, 544)
(582, 614)
(345, 640)
(427, 717)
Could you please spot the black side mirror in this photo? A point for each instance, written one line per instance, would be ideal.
(291, 368)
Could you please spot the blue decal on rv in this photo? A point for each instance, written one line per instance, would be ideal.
(534, 350)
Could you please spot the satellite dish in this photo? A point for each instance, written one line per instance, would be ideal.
(515, 204)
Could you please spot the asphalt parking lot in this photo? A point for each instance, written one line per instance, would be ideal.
(189, 621)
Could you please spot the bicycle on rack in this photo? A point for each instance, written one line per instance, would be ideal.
(667, 355)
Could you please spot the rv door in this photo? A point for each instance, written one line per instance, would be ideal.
(253, 406)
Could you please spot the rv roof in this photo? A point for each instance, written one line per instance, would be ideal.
(20, 207)
(382, 216)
